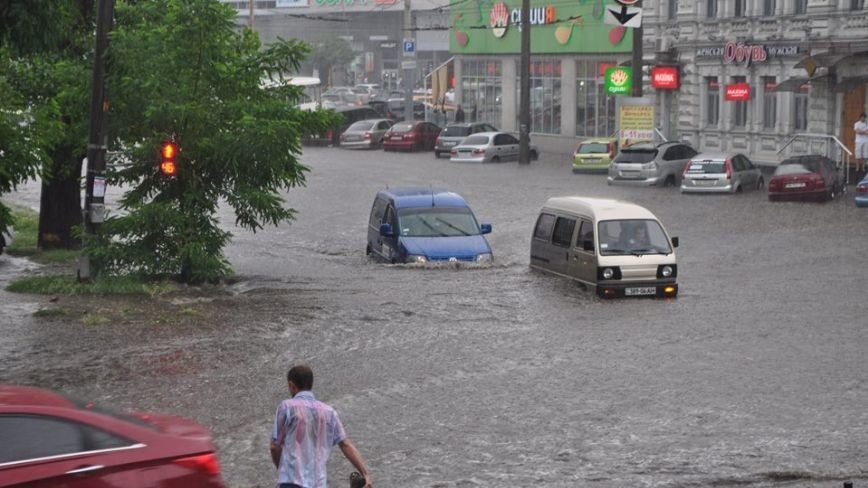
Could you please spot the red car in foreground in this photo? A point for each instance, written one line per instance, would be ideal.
(411, 136)
(47, 439)
(811, 177)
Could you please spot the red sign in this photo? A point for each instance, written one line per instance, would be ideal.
(665, 77)
(737, 92)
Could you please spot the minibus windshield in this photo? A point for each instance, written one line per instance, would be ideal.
(639, 236)
(437, 222)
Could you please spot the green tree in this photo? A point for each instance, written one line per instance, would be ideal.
(328, 53)
(45, 48)
(181, 70)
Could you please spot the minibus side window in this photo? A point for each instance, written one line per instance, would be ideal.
(543, 229)
(563, 233)
(586, 233)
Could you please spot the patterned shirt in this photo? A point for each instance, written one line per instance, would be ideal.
(306, 430)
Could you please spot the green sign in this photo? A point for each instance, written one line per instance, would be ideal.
(618, 81)
(557, 27)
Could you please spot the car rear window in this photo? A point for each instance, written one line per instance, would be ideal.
(364, 125)
(475, 141)
(455, 131)
(592, 148)
(707, 166)
(402, 127)
(798, 168)
(636, 156)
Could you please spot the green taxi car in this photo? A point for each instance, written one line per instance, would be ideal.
(594, 155)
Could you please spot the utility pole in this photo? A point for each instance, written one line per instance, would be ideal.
(636, 62)
(251, 4)
(94, 196)
(408, 72)
(524, 88)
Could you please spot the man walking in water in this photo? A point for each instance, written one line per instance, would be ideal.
(304, 432)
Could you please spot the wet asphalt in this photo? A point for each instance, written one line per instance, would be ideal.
(498, 375)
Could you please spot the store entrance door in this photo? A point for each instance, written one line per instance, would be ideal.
(854, 104)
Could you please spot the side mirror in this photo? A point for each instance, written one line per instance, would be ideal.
(485, 228)
(674, 242)
(386, 230)
(588, 245)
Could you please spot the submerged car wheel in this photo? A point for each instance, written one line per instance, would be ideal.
(495, 159)
(669, 181)
(760, 184)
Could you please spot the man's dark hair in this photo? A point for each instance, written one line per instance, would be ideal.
(302, 376)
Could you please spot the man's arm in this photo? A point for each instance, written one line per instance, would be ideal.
(275, 454)
(353, 456)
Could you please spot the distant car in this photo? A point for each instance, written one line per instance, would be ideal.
(649, 164)
(350, 115)
(811, 177)
(721, 173)
(454, 133)
(365, 134)
(861, 193)
(594, 155)
(396, 107)
(420, 225)
(489, 147)
(49, 439)
(411, 136)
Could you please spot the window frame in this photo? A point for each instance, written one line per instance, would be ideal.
(551, 225)
(569, 241)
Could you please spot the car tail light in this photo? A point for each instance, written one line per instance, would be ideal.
(862, 189)
(478, 151)
(203, 463)
(577, 149)
(687, 167)
(611, 151)
(728, 170)
(454, 152)
(439, 141)
(367, 135)
(410, 135)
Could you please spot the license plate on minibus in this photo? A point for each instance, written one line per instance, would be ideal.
(643, 290)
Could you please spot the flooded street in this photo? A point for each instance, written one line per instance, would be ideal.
(498, 375)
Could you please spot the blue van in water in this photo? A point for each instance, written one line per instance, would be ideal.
(421, 225)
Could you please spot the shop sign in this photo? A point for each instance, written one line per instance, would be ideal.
(538, 16)
(741, 53)
(665, 77)
(389, 45)
(618, 81)
(737, 92)
(635, 123)
(290, 3)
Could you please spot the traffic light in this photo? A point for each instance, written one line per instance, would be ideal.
(168, 158)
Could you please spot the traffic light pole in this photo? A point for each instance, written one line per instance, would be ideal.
(408, 73)
(524, 88)
(94, 199)
(636, 61)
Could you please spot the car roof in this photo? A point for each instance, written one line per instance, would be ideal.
(465, 124)
(803, 158)
(599, 208)
(14, 395)
(714, 155)
(413, 196)
(598, 141)
(646, 145)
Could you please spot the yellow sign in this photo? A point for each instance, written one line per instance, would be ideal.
(636, 124)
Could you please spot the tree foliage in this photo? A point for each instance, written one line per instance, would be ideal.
(181, 70)
(328, 52)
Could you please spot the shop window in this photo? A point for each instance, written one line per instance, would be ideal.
(481, 87)
(672, 9)
(712, 101)
(711, 9)
(595, 111)
(739, 8)
(857, 4)
(739, 109)
(769, 7)
(801, 7)
(545, 96)
(800, 107)
(770, 102)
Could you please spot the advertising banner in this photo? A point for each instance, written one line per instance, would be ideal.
(556, 27)
(618, 80)
(737, 92)
(665, 77)
(635, 121)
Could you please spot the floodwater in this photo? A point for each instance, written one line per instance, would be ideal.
(501, 376)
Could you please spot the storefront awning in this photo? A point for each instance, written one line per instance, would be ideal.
(793, 84)
(823, 60)
(850, 82)
(440, 81)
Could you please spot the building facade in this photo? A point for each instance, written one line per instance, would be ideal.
(757, 73)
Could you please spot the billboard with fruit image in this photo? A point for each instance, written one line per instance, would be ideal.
(492, 27)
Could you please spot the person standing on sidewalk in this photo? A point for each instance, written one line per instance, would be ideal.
(861, 130)
(304, 432)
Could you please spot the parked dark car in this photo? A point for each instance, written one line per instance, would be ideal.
(861, 198)
(811, 177)
(411, 136)
(454, 133)
(49, 440)
(350, 115)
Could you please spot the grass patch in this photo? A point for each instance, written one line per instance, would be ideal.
(69, 285)
(24, 243)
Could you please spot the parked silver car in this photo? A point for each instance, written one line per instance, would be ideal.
(456, 132)
(487, 147)
(649, 164)
(721, 173)
(366, 134)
